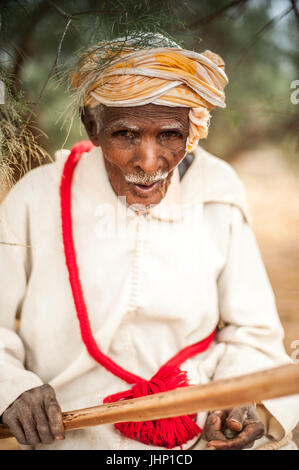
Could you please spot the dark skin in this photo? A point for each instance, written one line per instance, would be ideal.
(35, 417)
(140, 141)
(233, 429)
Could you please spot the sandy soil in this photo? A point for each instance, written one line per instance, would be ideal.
(273, 194)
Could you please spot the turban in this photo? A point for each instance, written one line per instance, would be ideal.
(169, 76)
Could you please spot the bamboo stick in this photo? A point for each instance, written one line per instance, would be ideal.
(218, 395)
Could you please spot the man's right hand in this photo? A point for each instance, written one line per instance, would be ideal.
(35, 417)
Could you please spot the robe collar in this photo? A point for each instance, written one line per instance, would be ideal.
(208, 180)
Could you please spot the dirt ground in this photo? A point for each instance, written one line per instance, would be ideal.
(273, 193)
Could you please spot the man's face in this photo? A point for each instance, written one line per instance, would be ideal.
(141, 145)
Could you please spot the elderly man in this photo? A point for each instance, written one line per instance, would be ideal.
(120, 256)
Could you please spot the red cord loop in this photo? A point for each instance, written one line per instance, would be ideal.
(168, 432)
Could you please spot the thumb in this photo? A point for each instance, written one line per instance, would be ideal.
(236, 418)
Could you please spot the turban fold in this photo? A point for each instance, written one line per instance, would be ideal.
(168, 76)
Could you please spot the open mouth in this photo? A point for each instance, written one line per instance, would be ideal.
(146, 189)
(146, 185)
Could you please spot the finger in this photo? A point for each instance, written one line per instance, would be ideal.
(215, 419)
(42, 425)
(231, 444)
(54, 414)
(245, 438)
(30, 431)
(23, 414)
(224, 445)
(236, 418)
(249, 446)
(16, 429)
(252, 415)
(251, 433)
(212, 429)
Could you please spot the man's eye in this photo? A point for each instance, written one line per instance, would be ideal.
(124, 134)
(171, 134)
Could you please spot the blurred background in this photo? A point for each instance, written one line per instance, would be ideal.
(258, 132)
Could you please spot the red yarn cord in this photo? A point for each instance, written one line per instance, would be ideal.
(71, 262)
(72, 266)
(190, 351)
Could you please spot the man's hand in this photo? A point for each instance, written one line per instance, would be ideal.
(233, 429)
(35, 417)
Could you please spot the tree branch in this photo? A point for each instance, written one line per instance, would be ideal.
(54, 66)
(296, 10)
(61, 11)
(22, 6)
(24, 44)
(257, 35)
(207, 19)
(65, 15)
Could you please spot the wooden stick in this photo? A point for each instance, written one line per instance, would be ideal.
(218, 395)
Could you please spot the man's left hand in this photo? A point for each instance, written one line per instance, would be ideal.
(233, 429)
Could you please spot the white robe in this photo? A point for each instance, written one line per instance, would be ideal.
(152, 285)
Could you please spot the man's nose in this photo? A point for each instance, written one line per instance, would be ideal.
(148, 157)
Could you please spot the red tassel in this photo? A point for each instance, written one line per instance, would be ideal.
(168, 432)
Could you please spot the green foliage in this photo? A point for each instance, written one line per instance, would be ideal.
(261, 59)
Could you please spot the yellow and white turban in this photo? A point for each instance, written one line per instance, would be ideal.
(168, 76)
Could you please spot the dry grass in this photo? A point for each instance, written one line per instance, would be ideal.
(19, 146)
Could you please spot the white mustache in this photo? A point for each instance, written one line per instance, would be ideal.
(146, 179)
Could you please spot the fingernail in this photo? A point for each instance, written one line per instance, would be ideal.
(59, 438)
(235, 425)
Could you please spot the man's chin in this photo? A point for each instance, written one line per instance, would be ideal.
(146, 202)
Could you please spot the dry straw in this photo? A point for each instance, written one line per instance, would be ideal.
(19, 145)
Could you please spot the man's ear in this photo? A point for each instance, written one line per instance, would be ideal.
(91, 119)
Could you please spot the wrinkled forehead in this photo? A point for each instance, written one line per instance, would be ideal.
(145, 115)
